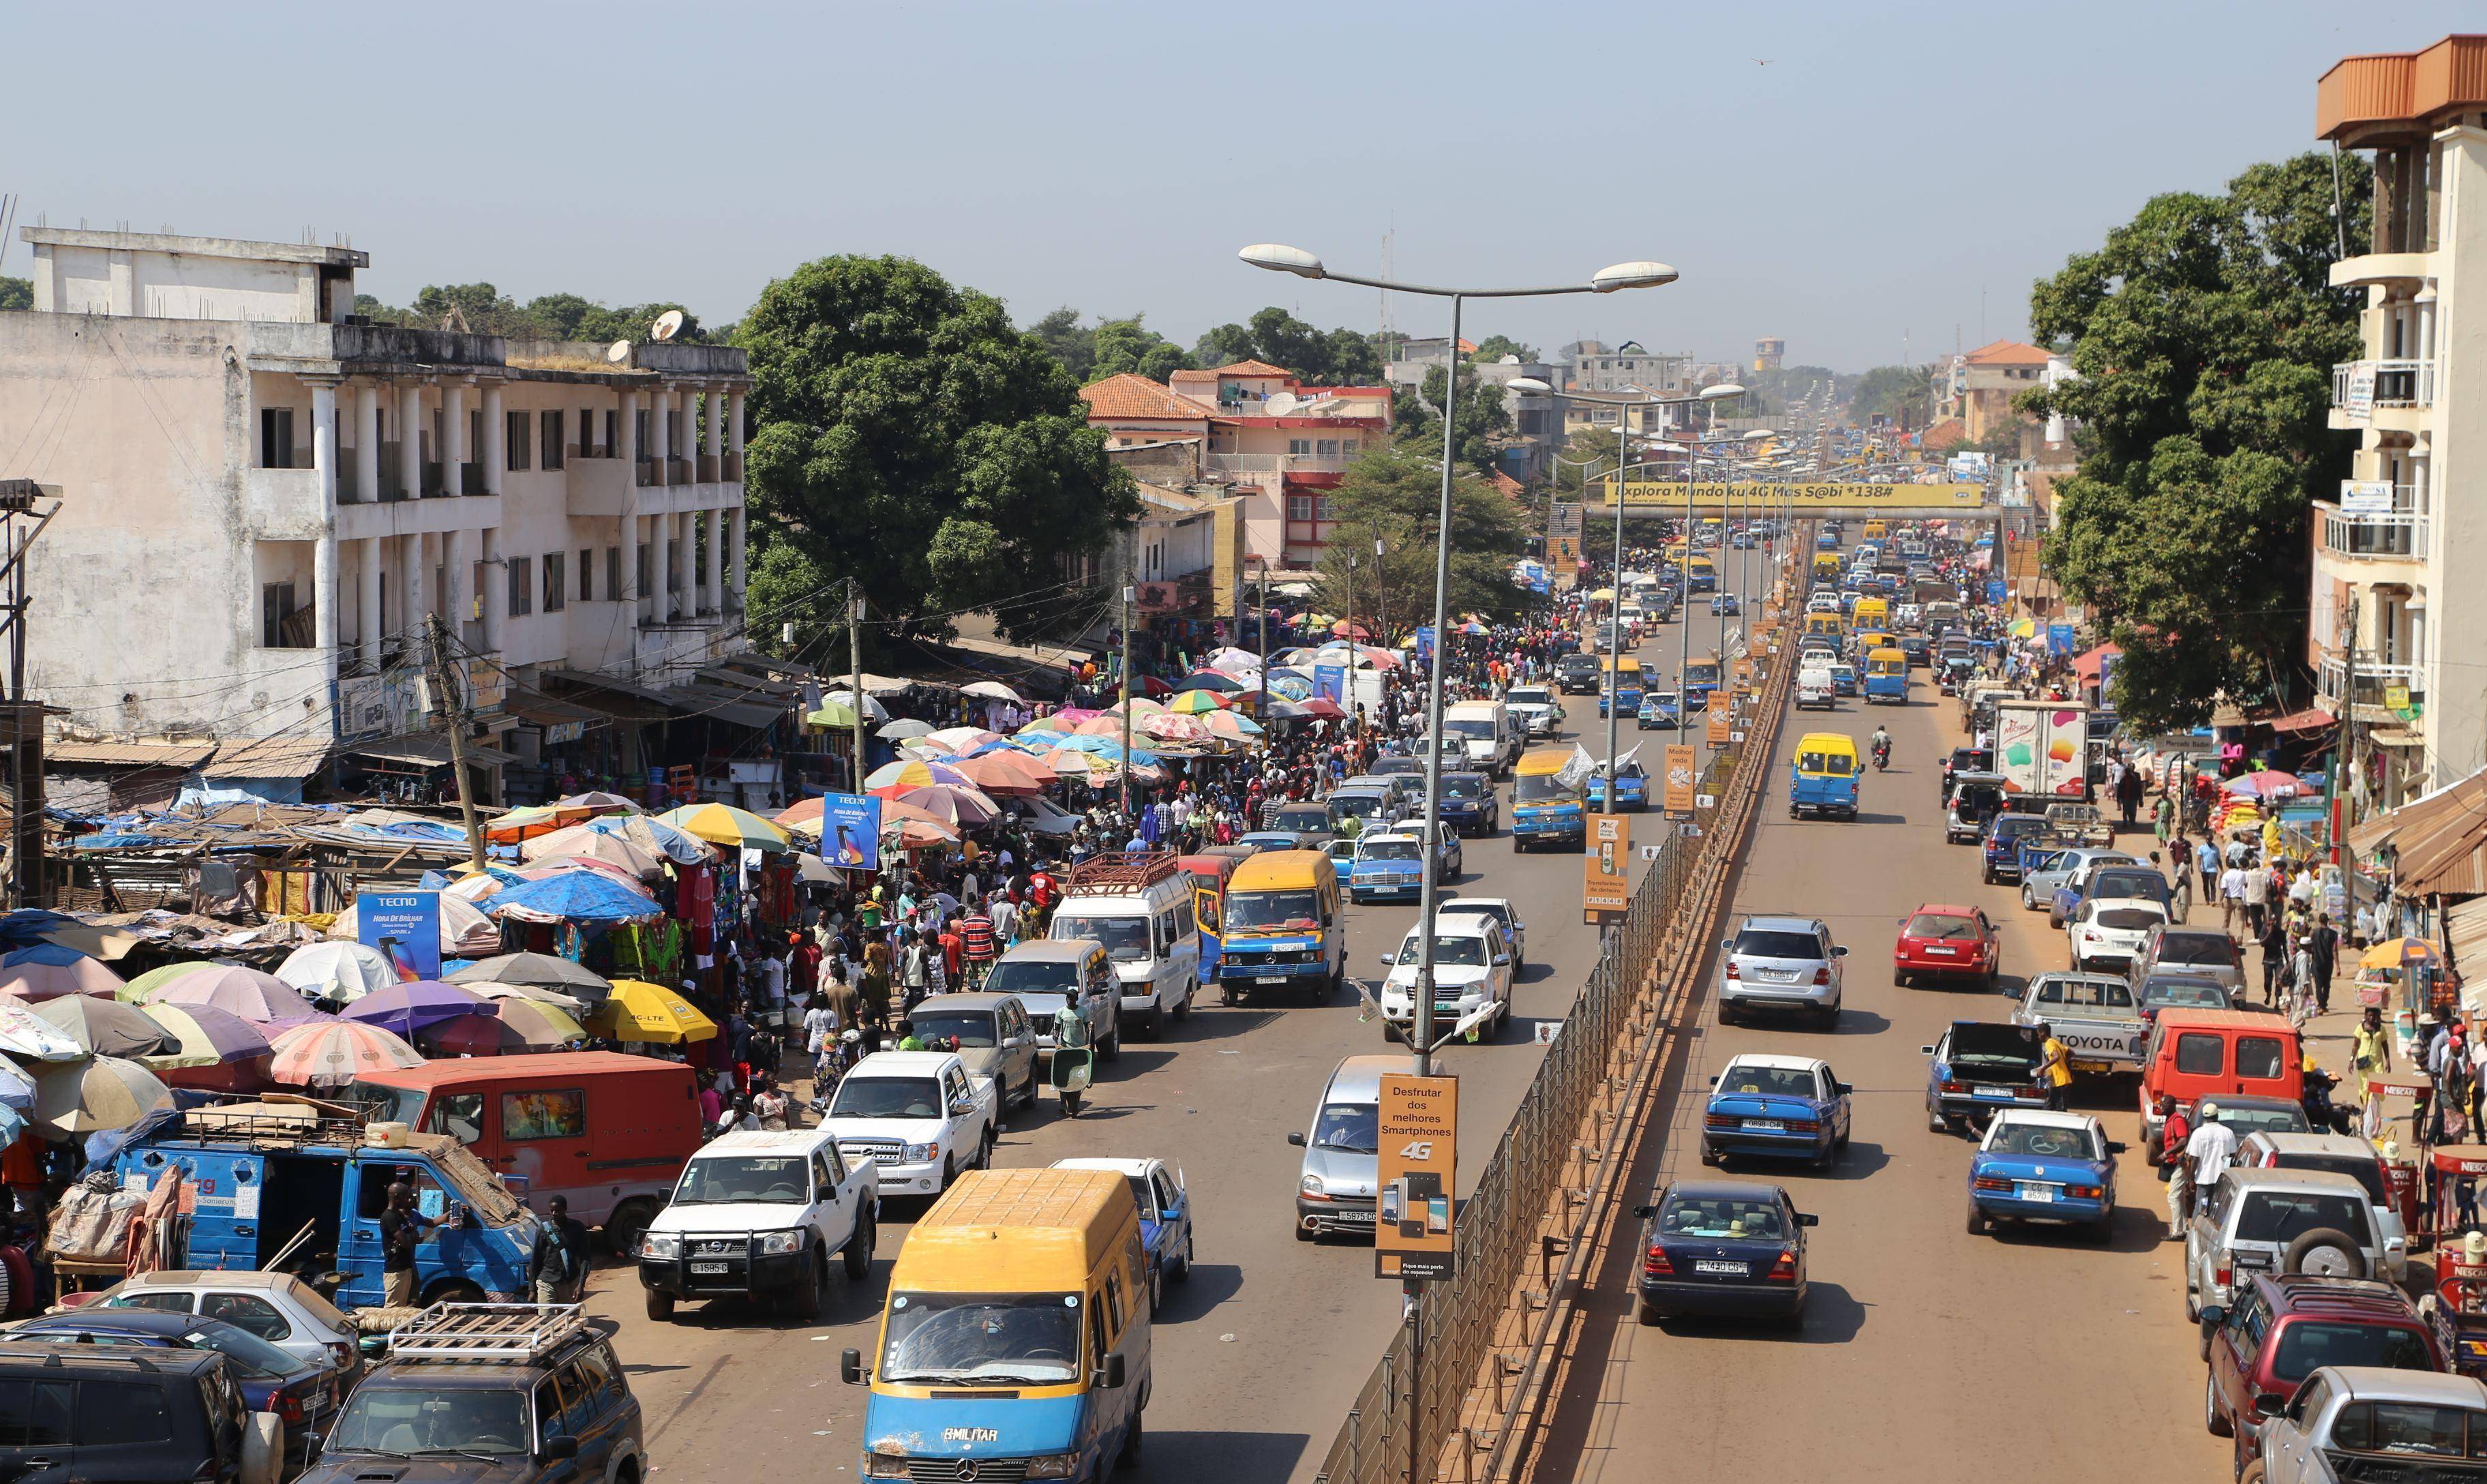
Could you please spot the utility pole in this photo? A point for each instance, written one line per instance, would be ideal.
(450, 698)
(855, 675)
(1131, 576)
(1381, 605)
(2348, 720)
(28, 886)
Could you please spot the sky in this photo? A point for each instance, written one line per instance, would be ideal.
(1859, 178)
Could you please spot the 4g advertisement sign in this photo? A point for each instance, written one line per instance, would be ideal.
(1419, 1156)
(1607, 888)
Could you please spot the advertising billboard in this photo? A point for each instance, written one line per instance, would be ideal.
(850, 830)
(1418, 1149)
(403, 927)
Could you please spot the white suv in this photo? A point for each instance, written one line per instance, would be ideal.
(1472, 972)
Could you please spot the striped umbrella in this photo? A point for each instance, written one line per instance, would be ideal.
(1195, 702)
(725, 825)
(1231, 725)
(910, 773)
(337, 1052)
(148, 985)
(97, 1096)
(964, 807)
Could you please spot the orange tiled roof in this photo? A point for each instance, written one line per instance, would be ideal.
(1253, 369)
(2008, 353)
(1950, 433)
(1131, 395)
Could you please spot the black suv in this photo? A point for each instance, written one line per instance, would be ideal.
(507, 1393)
(1576, 674)
(82, 1411)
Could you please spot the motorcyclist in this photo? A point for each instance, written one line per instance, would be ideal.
(1881, 746)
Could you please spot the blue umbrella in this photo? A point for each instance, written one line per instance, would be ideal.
(679, 844)
(573, 896)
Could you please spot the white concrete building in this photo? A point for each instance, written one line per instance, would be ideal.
(2395, 642)
(264, 503)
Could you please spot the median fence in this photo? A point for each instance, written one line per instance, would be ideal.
(1448, 1399)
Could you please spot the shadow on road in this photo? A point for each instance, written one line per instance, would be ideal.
(1832, 1317)
(1856, 1022)
(2135, 1230)
(1210, 1285)
(1209, 1457)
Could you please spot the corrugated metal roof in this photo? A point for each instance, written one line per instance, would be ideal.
(271, 757)
(2440, 842)
(129, 754)
(427, 749)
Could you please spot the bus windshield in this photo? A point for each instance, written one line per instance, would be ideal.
(1542, 787)
(1702, 672)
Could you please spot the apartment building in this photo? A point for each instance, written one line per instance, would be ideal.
(2395, 643)
(1536, 417)
(264, 503)
(1977, 386)
(1594, 366)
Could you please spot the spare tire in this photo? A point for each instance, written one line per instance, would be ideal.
(263, 1448)
(2326, 1251)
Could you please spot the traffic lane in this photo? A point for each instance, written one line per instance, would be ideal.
(1257, 1354)
(1923, 1345)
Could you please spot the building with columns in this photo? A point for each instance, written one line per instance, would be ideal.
(264, 503)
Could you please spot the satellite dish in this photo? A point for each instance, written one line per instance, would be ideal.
(1278, 405)
(617, 351)
(668, 324)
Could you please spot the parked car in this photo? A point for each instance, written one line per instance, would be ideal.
(2277, 1221)
(1780, 963)
(2166, 990)
(1974, 800)
(1776, 1107)
(1939, 942)
(1166, 1217)
(1978, 1068)
(278, 1308)
(2365, 1423)
(2000, 845)
(298, 1391)
(2035, 1164)
(2108, 932)
(2282, 1327)
(1724, 1248)
(204, 1433)
(2350, 1155)
(2093, 1015)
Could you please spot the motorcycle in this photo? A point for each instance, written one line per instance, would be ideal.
(1881, 757)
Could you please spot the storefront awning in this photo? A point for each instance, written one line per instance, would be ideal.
(271, 757)
(129, 754)
(2314, 718)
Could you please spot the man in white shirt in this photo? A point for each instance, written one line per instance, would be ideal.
(2207, 1153)
(1004, 913)
(2232, 898)
(820, 1025)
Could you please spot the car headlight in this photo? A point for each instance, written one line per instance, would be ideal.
(883, 1466)
(1053, 1465)
(777, 1243)
(923, 1154)
(663, 1247)
(1310, 1185)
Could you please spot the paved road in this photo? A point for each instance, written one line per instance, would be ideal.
(1928, 1354)
(1256, 1356)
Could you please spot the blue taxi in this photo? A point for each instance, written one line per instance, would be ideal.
(1786, 1108)
(2036, 1164)
(1387, 864)
(1632, 786)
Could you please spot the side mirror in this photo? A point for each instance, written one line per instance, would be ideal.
(2268, 1406)
(1925, 1051)
(1296, 1139)
(1643, 1213)
(2113, 1147)
(1839, 953)
(1502, 961)
(558, 1448)
(851, 1367)
(2213, 1316)
(1110, 1374)
(1843, 1088)
(1808, 1218)
(1714, 1082)
(311, 1447)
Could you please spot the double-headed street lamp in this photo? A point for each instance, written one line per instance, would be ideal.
(1303, 264)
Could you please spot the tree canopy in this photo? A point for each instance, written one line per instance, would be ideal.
(16, 292)
(908, 436)
(483, 310)
(1483, 419)
(1494, 347)
(1395, 494)
(2203, 331)
(1340, 357)
(1108, 347)
(1904, 394)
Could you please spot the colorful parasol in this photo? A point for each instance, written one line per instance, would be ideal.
(649, 1013)
(336, 1052)
(725, 825)
(49, 970)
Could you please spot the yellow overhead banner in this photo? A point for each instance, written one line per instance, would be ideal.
(1742, 492)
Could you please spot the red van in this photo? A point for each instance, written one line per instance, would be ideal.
(609, 1131)
(2194, 1053)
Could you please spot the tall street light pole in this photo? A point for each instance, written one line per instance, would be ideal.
(1303, 264)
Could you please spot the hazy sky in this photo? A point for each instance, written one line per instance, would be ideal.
(1895, 169)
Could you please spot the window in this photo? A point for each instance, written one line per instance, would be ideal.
(514, 450)
(457, 1114)
(247, 1311)
(1097, 1330)
(276, 437)
(1347, 447)
(613, 429)
(613, 573)
(522, 586)
(556, 580)
(645, 568)
(552, 421)
(1183, 925)
(170, 1304)
(579, 1400)
(535, 1115)
(1298, 447)
(549, 1418)
(1299, 507)
(2199, 1055)
(600, 1373)
(1326, 509)
(1114, 1303)
(2257, 1057)
(35, 1413)
(113, 1412)
(275, 603)
(1328, 447)
(586, 574)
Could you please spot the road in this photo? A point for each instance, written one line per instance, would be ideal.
(1928, 1355)
(1256, 1354)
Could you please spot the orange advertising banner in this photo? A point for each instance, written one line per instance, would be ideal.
(1683, 776)
(1607, 889)
(1418, 1145)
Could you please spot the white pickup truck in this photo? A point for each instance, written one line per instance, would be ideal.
(920, 1117)
(757, 1215)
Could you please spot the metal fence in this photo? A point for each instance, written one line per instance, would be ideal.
(1406, 1408)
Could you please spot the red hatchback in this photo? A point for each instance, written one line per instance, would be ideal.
(2279, 1329)
(1946, 942)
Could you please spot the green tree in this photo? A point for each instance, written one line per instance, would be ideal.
(1071, 343)
(1484, 422)
(16, 292)
(1339, 358)
(2203, 331)
(1494, 347)
(1901, 393)
(483, 310)
(1131, 346)
(1395, 494)
(908, 436)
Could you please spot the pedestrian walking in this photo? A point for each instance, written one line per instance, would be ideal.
(2174, 1130)
(558, 1265)
(2232, 898)
(2323, 942)
(2370, 1052)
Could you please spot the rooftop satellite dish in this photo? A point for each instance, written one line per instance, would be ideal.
(1278, 405)
(668, 324)
(617, 351)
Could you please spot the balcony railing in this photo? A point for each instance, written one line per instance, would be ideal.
(1277, 463)
(2373, 679)
(2399, 532)
(2358, 386)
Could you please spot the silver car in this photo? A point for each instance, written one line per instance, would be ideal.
(2200, 953)
(1780, 963)
(2277, 1221)
(1334, 1191)
(994, 1035)
(2045, 868)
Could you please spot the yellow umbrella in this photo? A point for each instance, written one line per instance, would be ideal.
(644, 1012)
(1603, 594)
(1194, 703)
(2024, 628)
(2397, 952)
(726, 824)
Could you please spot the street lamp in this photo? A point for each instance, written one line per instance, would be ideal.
(1282, 259)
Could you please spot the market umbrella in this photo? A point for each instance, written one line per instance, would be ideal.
(837, 716)
(2267, 784)
(600, 805)
(146, 987)
(104, 1027)
(594, 844)
(261, 998)
(475, 1035)
(543, 970)
(532, 821)
(97, 1096)
(407, 1008)
(1059, 721)
(2399, 952)
(16, 1093)
(1103, 728)
(655, 839)
(49, 970)
(1007, 772)
(644, 1012)
(203, 1036)
(809, 867)
(1323, 705)
(1174, 727)
(993, 690)
(964, 807)
(962, 739)
(1347, 631)
(555, 865)
(802, 816)
(910, 774)
(337, 1052)
(1231, 725)
(1234, 662)
(725, 825)
(1135, 708)
(1150, 685)
(1194, 703)
(28, 1037)
(334, 969)
(537, 1027)
(1208, 680)
(903, 728)
(1067, 763)
(109, 943)
(845, 701)
(504, 995)
(576, 896)
(917, 834)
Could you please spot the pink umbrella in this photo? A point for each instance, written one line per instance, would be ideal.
(1173, 726)
(337, 1052)
(50, 971)
(962, 739)
(1076, 715)
(261, 998)
(1007, 772)
(554, 865)
(2267, 784)
(960, 808)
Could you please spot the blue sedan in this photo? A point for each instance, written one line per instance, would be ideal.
(1728, 1247)
(2037, 1165)
(1787, 1107)
(1726, 603)
(1659, 712)
(1631, 788)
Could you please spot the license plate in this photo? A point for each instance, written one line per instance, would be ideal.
(1764, 1126)
(1995, 1092)
(1271, 979)
(2042, 1195)
(708, 1267)
(1946, 952)
(1353, 1218)
(1725, 1270)
(2250, 1259)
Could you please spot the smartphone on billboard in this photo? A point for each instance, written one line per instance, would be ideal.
(1390, 1201)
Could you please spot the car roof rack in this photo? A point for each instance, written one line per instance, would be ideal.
(506, 1332)
(1121, 873)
